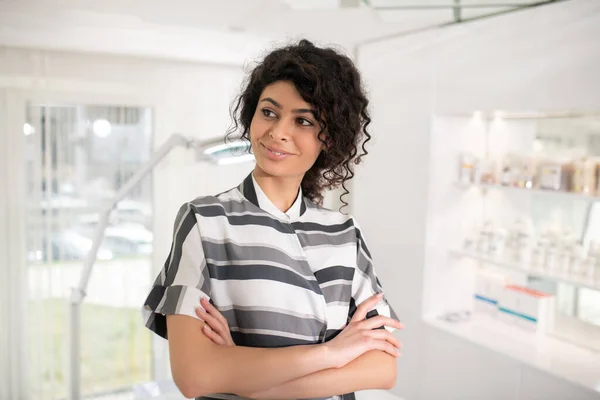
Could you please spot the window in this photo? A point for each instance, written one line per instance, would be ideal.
(77, 158)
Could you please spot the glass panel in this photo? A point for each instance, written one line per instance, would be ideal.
(573, 142)
(78, 157)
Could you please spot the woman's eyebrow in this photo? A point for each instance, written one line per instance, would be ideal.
(298, 110)
(270, 100)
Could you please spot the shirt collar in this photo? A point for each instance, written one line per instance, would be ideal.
(254, 194)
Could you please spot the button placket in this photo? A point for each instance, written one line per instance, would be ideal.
(323, 301)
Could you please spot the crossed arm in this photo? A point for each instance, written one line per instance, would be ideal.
(373, 370)
(356, 361)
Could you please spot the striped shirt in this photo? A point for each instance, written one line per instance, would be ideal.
(280, 279)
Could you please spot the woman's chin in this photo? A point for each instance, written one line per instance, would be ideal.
(275, 169)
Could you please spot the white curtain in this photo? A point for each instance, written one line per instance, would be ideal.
(12, 283)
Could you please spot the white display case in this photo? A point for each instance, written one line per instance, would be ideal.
(563, 335)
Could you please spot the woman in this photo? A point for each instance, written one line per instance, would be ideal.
(265, 267)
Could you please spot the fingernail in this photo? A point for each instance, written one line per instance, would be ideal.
(380, 294)
(207, 327)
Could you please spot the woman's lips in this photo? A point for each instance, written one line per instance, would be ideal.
(275, 154)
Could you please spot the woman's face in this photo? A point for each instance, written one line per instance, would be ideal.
(284, 132)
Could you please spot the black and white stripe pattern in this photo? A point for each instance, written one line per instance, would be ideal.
(278, 282)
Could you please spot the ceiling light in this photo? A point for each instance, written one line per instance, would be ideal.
(101, 128)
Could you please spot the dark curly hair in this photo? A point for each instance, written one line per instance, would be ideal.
(329, 81)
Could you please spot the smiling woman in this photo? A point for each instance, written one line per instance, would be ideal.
(266, 294)
(314, 91)
(284, 134)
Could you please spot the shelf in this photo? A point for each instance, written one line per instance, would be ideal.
(559, 358)
(585, 283)
(544, 192)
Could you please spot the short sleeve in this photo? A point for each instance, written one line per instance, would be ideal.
(183, 280)
(366, 283)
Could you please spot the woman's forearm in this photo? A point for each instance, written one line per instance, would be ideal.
(200, 367)
(373, 370)
(258, 369)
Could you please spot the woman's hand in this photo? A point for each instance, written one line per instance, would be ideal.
(361, 335)
(215, 327)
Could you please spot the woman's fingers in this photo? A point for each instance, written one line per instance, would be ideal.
(386, 346)
(212, 310)
(212, 335)
(379, 321)
(381, 334)
(366, 306)
(214, 324)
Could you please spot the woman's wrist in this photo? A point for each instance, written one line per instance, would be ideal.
(322, 353)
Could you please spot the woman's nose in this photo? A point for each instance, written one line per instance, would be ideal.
(281, 131)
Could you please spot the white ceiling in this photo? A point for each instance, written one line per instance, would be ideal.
(221, 31)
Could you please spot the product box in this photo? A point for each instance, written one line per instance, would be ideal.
(488, 288)
(508, 304)
(526, 308)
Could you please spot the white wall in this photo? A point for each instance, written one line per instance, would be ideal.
(545, 58)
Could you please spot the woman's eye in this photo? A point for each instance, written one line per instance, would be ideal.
(268, 113)
(304, 122)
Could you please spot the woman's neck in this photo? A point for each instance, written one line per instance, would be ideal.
(282, 191)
